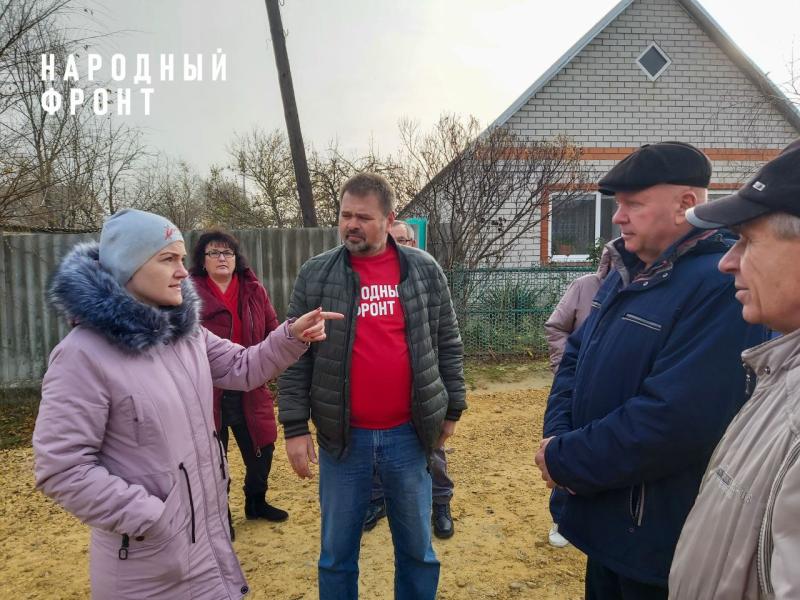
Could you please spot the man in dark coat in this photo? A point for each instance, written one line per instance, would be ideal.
(650, 381)
(385, 389)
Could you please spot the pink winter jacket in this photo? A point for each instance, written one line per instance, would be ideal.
(572, 310)
(125, 437)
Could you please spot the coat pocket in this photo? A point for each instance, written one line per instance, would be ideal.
(636, 504)
(642, 321)
(158, 565)
(173, 519)
(153, 565)
(142, 419)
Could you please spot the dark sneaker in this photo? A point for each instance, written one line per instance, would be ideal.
(256, 507)
(442, 521)
(375, 512)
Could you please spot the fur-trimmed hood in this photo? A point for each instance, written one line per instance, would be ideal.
(83, 292)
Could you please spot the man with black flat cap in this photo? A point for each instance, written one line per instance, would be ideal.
(648, 384)
(742, 538)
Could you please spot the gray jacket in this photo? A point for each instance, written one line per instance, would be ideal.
(318, 386)
(742, 538)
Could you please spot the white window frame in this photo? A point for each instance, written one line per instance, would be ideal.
(661, 71)
(597, 222)
(598, 217)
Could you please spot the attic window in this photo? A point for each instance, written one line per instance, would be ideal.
(653, 61)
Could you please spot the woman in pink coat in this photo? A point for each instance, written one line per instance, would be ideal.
(125, 437)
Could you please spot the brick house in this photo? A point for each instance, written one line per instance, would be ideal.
(650, 70)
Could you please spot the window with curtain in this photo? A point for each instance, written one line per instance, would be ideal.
(576, 224)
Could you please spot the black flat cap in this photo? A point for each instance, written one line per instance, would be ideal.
(677, 163)
(775, 188)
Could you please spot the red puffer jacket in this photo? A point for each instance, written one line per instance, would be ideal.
(258, 320)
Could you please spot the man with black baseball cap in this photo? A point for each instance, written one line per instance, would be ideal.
(742, 538)
(648, 384)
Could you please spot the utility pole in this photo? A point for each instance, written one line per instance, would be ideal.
(290, 113)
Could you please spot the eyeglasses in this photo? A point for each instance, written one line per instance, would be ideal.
(227, 254)
(402, 240)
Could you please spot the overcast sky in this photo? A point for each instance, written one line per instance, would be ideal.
(360, 65)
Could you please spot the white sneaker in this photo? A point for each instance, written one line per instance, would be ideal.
(556, 539)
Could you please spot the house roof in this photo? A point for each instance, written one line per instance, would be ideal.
(706, 23)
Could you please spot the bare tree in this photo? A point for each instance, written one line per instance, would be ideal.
(331, 169)
(265, 159)
(120, 151)
(483, 193)
(792, 86)
(172, 189)
(227, 203)
(18, 19)
(65, 169)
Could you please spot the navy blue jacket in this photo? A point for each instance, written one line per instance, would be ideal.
(645, 390)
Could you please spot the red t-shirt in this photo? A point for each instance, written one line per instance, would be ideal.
(380, 367)
(230, 299)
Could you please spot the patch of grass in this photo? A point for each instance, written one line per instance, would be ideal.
(502, 371)
(17, 419)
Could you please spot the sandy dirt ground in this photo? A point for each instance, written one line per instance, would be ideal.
(499, 549)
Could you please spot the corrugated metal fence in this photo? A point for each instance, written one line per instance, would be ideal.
(29, 329)
(500, 311)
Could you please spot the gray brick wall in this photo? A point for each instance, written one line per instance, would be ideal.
(603, 99)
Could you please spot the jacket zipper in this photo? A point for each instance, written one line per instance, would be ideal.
(765, 542)
(414, 402)
(191, 498)
(749, 380)
(123, 549)
(221, 455)
(345, 397)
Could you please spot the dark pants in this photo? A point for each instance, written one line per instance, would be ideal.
(257, 462)
(605, 584)
(558, 500)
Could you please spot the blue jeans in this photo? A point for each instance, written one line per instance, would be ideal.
(399, 459)
(442, 484)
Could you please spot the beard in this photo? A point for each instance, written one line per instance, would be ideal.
(359, 245)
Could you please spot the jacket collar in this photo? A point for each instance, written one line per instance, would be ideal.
(248, 284)
(697, 241)
(782, 353)
(402, 255)
(84, 293)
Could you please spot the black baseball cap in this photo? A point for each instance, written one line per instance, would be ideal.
(677, 163)
(775, 188)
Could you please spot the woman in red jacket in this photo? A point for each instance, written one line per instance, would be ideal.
(237, 307)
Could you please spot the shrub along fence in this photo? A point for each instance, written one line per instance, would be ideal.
(501, 312)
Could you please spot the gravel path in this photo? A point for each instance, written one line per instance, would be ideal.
(499, 550)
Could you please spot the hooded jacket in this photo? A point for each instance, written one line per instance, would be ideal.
(125, 437)
(644, 392)
(573, 308)
(317, 386)
(742, 538)
(258, 320)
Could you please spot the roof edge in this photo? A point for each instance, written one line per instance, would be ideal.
(562, 62)
(761, 80)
